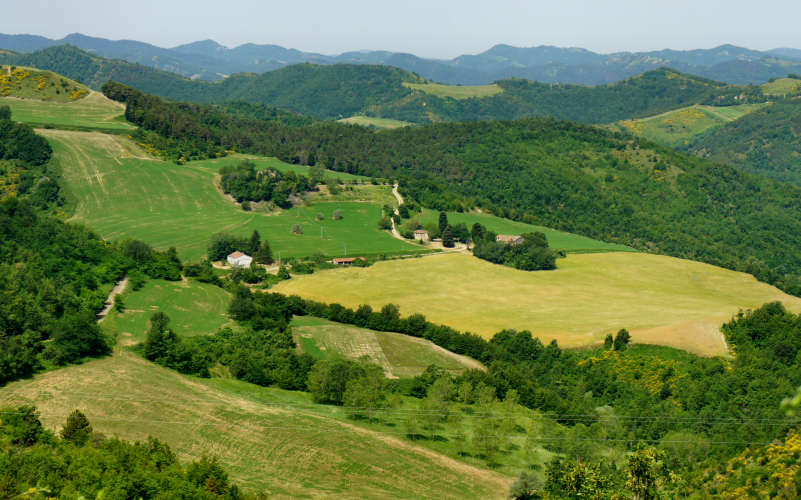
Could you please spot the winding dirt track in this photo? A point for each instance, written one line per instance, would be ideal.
(118, 288)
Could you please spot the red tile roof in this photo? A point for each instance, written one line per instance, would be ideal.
(236, 255)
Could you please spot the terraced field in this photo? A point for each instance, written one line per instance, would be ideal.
(661, 300)
(399, 355)
(121, 192)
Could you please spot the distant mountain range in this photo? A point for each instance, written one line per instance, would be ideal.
(208, 60)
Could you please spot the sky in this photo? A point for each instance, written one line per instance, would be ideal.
(428, 28)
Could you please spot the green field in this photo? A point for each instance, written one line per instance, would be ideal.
(661, 300)
(372, 121)
(676, 128)
(268, 439)
(262, 162)
(121, 192)
(194, 308)
(456, 91)
(556, 239)
(399, 355)
(94, 112)
(782, 87)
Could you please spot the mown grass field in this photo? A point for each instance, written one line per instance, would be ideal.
(782, 86)
(676, 128)
(661, 300)
(268, 439)
(556, 239)
(194, 308)
(400, 356)
(372, 121)
(121, 192)
(94, 112)
(456, 91)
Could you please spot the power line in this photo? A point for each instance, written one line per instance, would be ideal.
(418, 411)
(388, 432)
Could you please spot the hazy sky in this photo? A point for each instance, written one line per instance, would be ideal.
(432, 28)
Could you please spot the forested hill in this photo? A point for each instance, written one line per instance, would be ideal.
(339, 91)
(555, 173)
(767, 141)
(644, 95)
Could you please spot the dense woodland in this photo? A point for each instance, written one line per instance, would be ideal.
(245, 183)
(532, 254)
(767, 142)
(543, 171)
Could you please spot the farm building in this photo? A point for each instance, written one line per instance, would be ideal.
(346, 261)
(238, 259)
(421, 235)
(509, 239)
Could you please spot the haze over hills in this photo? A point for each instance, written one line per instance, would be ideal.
(208, 60)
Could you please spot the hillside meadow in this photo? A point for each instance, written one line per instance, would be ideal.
(194, 308)
(270, 440)
(456, 91)
(676, 128)
(659, 299)
(399, 355)
(121, 192)
(93, 112)
(556, 239)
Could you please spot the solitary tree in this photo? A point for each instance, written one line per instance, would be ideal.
(337, 214)
(254, 243)
(296, 229)
(447, 237)
(622, 340)
(77, 429)
(265, 254)
(443, 222)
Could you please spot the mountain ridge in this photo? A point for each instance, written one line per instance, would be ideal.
(210, 60)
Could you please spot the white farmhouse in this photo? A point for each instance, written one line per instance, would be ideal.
(238, 259)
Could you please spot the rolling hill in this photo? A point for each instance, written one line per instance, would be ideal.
(342, 91)
(548, 172)
(765, 142)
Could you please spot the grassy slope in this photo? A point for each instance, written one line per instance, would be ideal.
(661, 300)
(121, 192)
(456, 91)
(31, 83)
(194, 308)
(782, 86)
(399, 355)
(556, 239)
(92, 112)
(371, 121)
(270, 440)
(677, 128)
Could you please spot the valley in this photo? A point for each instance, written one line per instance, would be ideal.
(665, 338)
